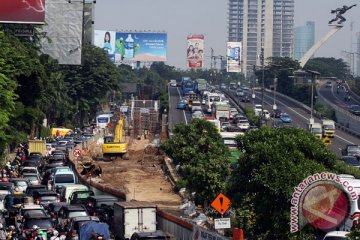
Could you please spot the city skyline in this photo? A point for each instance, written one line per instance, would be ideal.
(209, 17)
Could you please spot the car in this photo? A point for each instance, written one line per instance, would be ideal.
(276, 113)
(43, 223)
(233, 113)
(32, 188)
(355, 109)
(224, 125)
(243, 124)
(44, 198)
(54, 208)
(20, 183)
(6, 188)
(80, 197)
(245, 88)
(94, 203)
(328, 84)
(223, 86)
(279, 124)
(173, 83)
(34, 179)
(245, 98)
(73, 228)
(285, 118)
(351, 150)
(181, 105)
(197, 115)
(239, 92)
(70, 211)
(31, 210)
(351, 160)
(266, 114)
(26, 170)
(231, 128)
(336, 235)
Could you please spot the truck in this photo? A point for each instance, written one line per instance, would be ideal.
(316, 129)
(133, 216)
(38, 146)
(200, 85)
(187, 85)
(221, 110)
(328, 127)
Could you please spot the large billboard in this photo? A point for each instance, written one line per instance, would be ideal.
(233, 54)
(22, 11)
(64, 21)
(195, 51)
(123, 47)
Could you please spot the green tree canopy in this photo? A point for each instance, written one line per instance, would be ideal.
(274, 162)
(329, 67)
(199, 150)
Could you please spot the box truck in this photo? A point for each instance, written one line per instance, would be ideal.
(133, 216)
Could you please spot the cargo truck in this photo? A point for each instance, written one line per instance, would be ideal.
(328, 127)
(38, 146)
(133, 216)
(316, 129)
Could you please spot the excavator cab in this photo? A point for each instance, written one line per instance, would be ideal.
(108, 139)
(114, 146)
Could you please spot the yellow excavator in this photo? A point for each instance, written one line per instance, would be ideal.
(114, 146)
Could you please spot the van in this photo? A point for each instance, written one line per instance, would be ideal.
(62, 177)
(257, 109)
(69, 189)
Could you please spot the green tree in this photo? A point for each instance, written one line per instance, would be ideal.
(273, 163)
(329, 67)
(354, 234)
(199, 150)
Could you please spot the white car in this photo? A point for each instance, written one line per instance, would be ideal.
(197, 115)
(173, 83)
(30, 170)
(243, 124)
(338, 235)
(266, 114)
(239, 93)
(257, 109)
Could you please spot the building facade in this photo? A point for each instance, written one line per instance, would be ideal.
(358, 54)
(267, 24)
(304, 39)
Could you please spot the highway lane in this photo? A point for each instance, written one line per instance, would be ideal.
(336, 98)
(176, 116)
(300, 118)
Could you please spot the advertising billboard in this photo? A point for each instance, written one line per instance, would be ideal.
(124, 47)
(233, 54)
(64, 21)
(22, 11)
(195, 51)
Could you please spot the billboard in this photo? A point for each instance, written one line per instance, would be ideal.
(22, 11)
(195, 51)
(64, 21)
(124, 47)
(233, 54)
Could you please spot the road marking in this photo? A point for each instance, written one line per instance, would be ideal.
(337, 136)
(186, 122)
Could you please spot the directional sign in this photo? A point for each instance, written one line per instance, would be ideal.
(222, 223)
(77, 152)
(221, 203)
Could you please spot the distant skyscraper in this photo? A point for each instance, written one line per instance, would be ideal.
(261, 23)
(304, 39)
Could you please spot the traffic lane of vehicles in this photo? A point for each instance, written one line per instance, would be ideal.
(301, 118)
(177, 116)
(334, 98)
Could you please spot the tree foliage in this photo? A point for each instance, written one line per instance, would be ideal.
(274, 162)
(329, 67)
(200, 152)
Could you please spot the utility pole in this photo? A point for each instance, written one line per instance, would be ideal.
(211, 58)
(263, 85)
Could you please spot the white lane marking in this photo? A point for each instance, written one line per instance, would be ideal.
(337, 136)
(182, 110)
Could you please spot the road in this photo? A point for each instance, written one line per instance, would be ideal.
(300, 117)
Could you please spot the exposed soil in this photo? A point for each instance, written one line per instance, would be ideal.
(140, 177)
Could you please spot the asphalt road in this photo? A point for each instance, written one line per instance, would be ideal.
(176, 116)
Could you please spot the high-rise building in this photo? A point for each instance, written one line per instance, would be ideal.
(304, 39)
(267, 24)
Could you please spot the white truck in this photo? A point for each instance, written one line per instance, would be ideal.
(133, 216)
(328, 127)
(316, 129)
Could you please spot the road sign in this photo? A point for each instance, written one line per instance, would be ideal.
(222, 223)
(221, 203)
(77, 152)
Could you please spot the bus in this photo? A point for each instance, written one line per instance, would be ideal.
(230, 142)
(187, 85)
(210, 99)
(221, 111)
(103, 120)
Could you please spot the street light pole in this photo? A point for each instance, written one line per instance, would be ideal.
(275, 83)
(263, 85)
